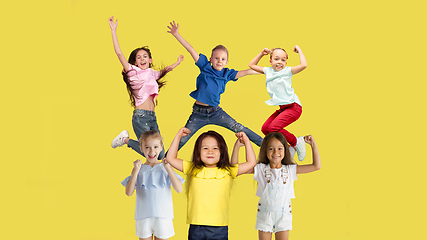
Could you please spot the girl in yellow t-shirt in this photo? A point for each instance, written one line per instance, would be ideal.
(210, 177)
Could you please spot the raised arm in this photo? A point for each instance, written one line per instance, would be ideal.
(174, 31)
(250, 154)
(254, 63)
(122, 59)
(172, 156)
(316, 157)
(302, 62)
(130, 186)
(235, 154)
(176, 183)
(171, 67)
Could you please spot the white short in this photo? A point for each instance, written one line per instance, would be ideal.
(274, 221)
(159, 227)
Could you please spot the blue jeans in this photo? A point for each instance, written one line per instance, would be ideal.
(201, 232)
(203, 116)
(143, 120)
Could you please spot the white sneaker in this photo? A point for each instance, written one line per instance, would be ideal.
(120, 139)
(292, 151)
(300, 148)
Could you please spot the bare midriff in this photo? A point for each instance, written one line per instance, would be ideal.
(200, 103)
(148, 105)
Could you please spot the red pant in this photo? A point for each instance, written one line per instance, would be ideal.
(286, 115)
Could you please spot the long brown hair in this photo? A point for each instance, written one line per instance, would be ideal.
(224, 159)
(262, 157)
(132, 59)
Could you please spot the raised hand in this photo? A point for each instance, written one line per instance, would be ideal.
(173, 28)
(242, 138)
(137, 164)
(184, 131)
(181, 58)
(309, 139)
(265, 51)
(113, 25)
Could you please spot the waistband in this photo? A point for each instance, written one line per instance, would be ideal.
(146, 112)
(205, 109)
(271, 209)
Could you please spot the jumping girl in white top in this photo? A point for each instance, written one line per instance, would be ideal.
(143, 84)
(279, 86)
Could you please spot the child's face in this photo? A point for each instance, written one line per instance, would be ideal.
(210, 153)
(152, 149)
(275, 151)
(143, 60)
(278, 59)
(219, 59)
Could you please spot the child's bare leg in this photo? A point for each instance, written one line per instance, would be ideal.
(282, 235)
(264, 235)
(156, 238)
(149, 238)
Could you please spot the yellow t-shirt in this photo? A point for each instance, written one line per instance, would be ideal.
(209, 195)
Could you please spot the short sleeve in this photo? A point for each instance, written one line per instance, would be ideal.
(230, 74)
(186, 165)
(233, 170)
(156, 74)
(203, 60)
(258, 170)
(265, 69)
(125, 182)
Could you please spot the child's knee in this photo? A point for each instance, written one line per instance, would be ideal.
(237, 127)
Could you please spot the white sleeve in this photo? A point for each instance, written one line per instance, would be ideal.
(258, 169)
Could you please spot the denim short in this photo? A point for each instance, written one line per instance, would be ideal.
(202, 232)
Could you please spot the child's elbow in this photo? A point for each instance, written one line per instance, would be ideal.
(179, 189)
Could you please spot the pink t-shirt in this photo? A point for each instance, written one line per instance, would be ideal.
(143, 83)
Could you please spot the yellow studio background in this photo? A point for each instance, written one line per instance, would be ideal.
(63, 101)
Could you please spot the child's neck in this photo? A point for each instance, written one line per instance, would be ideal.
(151, 163)
(275, 165)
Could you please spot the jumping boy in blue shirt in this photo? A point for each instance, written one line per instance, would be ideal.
(210, 85)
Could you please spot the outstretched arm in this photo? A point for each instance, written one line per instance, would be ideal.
(254, 63)
(302, 62)
(250, 154)
(171, 67)
(245, 73)
(174, 31)
(172, 156)
(176, 183)
(316, 157)
(130, 186)
(122, 59)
